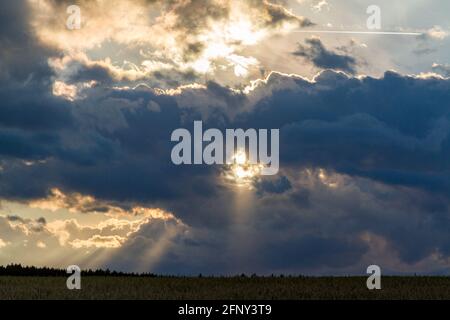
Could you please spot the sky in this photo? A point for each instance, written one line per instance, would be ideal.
(86, 116)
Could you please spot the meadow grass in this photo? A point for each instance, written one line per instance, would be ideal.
(174, 288)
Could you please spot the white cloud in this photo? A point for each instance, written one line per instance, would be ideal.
(3, 243)
(110, 229)
(437, 33)
(41, 245)
(320, 5)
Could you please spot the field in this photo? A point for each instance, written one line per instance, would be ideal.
(158, 288)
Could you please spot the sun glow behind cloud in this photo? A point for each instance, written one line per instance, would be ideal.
(114, 37)
(241, 172)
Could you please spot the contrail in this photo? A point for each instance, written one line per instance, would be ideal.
(361, 32)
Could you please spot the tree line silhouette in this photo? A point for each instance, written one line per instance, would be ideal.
(31, 271)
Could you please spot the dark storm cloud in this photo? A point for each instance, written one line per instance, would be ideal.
(277, 185)
(352, 126)
(30, 108)
(22, 59)
(23, 145)
(346, 125)
(315, 251)
(26, 100)
(321, 57)
(385, 141)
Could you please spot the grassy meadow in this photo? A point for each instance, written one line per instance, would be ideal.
(174, 288)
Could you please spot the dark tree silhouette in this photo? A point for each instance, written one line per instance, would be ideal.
(19, 270)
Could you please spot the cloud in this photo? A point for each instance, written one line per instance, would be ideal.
(190, 40)
(323, 58)
(442, 69)
(93, 245)
(187, 36)
(28, 225)
(437, 33)
(3, 243)
(320, 5)
(278, 185)
(352, 164)
(366, 146)
(364, 160)
(276, 14)
(98, 241)
(428, 38)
